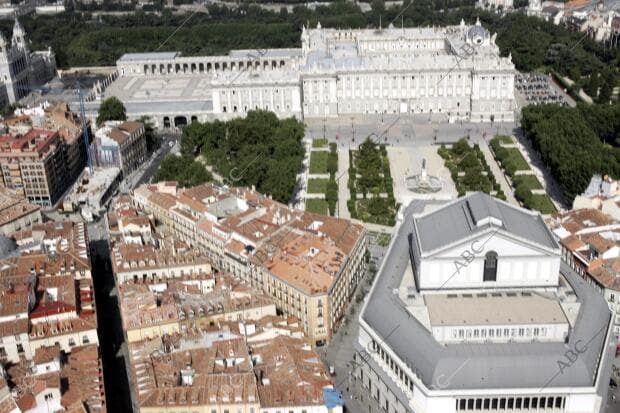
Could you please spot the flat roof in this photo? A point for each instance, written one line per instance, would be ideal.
(493, 309)
(266, 53)
(482, 365)
(138, 57)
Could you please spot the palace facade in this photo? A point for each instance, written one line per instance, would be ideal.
(454, 71)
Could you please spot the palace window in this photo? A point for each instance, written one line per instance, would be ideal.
(490, 266)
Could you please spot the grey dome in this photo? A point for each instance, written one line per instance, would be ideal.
(476, 34)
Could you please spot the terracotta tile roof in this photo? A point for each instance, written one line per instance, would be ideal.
(13, 207)
(598, 242)
(163, 200)
(308, 262)
(14, 327)
(607, 273)
(26, 402)
(13, 302)
(127, 257)
(85, 379)
(131, 126)
(573, 243)
(46, 354)
(48, 329)
(580, 219)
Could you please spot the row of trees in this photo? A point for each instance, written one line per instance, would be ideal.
(569, 143)
(259, 150)
(331, 192)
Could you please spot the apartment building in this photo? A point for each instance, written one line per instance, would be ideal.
(16, 213)
(121, 144)
(55, 381)
(55, 117)
(174, 306)
(59, 117)
(590, 243)
(136, 262)
(308, 263)
(47, 292)
(35, 165)
(260, 366)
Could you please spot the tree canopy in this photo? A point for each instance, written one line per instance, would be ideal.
(185, 170)
(567, 141)
(111, 109)
(259, 150)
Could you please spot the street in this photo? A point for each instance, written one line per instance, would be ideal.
(111, 337)
(146, 171)
(339, 352)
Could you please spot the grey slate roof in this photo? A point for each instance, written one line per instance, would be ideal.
(458, 220)
(487, 365)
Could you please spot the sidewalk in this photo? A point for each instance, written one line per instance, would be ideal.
(499, 175)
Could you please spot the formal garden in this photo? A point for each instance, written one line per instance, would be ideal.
(370, 183)
(469, 170)
(317, 205)
(322, 189)
(528, 189)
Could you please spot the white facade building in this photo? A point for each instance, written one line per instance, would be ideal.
(480, 315)
(454, 71)
(20, 69)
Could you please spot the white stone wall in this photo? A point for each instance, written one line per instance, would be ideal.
(480, 333)
(518, 265)
(67, 340)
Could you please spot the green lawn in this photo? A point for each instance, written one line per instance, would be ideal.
(317, 185)
(477, 176)
(510, 159)
(506, 140)
(541, 203)
(316, 205)
(319, 143)
(529, 181)
(318, 162)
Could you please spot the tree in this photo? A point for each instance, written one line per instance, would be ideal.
(111, 109)
(259, 150)
(186, 171)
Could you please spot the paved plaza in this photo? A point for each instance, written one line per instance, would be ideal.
(407, 161)
(400, 129)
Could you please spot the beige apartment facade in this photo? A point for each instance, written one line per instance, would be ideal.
(35, 165)
(320, 307)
